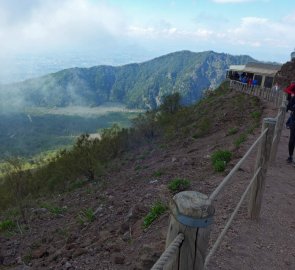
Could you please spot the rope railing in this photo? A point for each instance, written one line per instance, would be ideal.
(236, 167)
(223, 232)
(189, 229)
(169, 252)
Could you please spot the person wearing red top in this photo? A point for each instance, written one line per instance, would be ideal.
(290, 90)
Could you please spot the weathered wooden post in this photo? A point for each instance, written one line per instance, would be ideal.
(269, 93)
(255, 91)
(260, 92)
(191, 214)
(277, 98)
(262, 161)
(278, 132)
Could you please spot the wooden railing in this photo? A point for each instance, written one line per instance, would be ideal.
(274, 95)
(192, 212)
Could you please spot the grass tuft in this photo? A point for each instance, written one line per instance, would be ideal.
(156, 210)
(86, 216)
(177, 185)
(242, 138)
(219, 159)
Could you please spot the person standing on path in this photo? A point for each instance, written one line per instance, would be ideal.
(290, 90)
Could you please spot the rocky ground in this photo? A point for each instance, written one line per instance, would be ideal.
(64, 238)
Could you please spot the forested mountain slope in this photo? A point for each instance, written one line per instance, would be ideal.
(137, 85)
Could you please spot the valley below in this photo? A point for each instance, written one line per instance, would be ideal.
(35, 130)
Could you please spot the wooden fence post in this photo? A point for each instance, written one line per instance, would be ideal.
(278, 132)
(191, 214)
(262, 161)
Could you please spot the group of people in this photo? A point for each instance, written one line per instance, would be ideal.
(244, 78)
(290, 91)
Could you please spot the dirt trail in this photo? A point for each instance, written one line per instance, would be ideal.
(269, 242)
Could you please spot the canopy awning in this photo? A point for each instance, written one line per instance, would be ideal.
(257, 68)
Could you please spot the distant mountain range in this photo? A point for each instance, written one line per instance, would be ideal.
(136, 85)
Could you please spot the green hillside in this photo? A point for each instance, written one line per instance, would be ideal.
(136, 85)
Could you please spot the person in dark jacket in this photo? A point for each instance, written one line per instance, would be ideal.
(290, 90)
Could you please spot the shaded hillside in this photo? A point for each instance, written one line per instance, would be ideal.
(137, 85)
(98, 223)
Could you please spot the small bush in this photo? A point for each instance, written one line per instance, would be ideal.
(170, 103)
(76, 184)
(86, 216)
(7, 225)
(157, 210)
(251, 129)
(158, 173)
(27, 258)
(219, 166)
(178, 185)
(219, 159)
(53, 209)
(256, 115)
(232, 131)
(137, 168)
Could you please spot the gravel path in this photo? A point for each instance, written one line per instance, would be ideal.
(268, 243)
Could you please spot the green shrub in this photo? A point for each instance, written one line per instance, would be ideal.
(86, 216)
(219, 166)
(137, 168)
(256, 115)
(158, 173)
(76, 184)
(156, 210)
(232, 131)
(178, 185)
(171, 103)
(53, 209)
(219, 159)
(27, 258)
(7, 225)
(251, 129)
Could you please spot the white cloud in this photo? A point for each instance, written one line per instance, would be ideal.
(261, 32)
(56, 24)
(170, 32)
(36, 25)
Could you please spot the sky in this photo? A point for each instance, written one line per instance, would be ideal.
(143, 29)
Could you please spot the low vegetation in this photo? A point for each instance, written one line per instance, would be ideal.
(156, 210)
(86, 216)
(219, 159)
(53, 209)
(89, 159)
(242, 138)
(7, 225)
(177, 185)
(232, 131)
(28, 135)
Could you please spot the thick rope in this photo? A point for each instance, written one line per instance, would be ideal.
(236, 167)
(228, 224)
(169, 252)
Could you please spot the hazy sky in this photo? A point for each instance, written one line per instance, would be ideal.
(263, 29)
